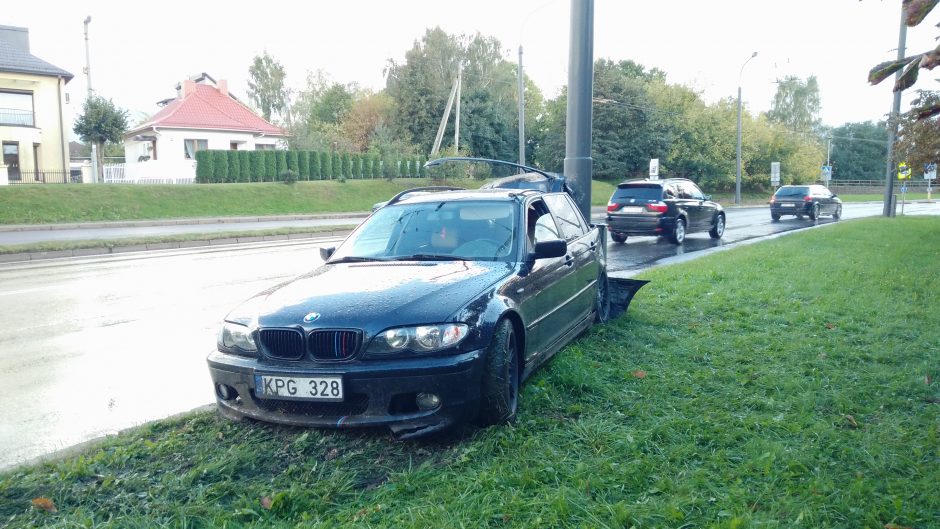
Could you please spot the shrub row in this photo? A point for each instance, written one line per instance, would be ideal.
(222, 166)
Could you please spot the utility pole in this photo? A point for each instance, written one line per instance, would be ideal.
(94, 145)
(521, 111)
(457, 117)
(578, 162)
(888, 210)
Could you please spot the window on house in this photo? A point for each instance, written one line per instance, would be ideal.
(16, 108)
(194, 146)
(264, 147)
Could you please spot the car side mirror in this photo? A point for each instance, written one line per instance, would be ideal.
(549, 249)
(326, 253)
(708, 197)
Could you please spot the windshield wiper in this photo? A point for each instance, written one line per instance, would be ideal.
(428, 257)
(354, 259)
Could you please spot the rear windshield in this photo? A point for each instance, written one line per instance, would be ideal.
(638, 192)
(792, 191)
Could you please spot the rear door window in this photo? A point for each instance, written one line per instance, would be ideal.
(568, 218)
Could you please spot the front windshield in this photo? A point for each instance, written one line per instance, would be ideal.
(471, 230)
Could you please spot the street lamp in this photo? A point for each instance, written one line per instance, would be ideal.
(94, 146)
(737, 180)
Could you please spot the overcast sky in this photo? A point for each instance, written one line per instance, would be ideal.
(140, 50)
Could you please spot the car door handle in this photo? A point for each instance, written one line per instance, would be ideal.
(569, 260)
(593, 246)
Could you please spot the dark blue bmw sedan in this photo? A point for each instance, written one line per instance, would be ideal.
(433, 311)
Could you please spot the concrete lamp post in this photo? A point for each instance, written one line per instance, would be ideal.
(737, 179)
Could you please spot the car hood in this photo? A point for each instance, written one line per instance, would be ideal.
(373, 296)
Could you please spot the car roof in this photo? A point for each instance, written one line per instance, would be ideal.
(494, 194)
(647, 181)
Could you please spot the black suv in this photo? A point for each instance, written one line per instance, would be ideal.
(669, 208)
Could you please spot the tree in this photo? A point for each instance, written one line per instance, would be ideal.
(266, 86)
(859, 151)
(101, 122)
(365, 115)
(918, 138)
(915, 11)
(796, 104)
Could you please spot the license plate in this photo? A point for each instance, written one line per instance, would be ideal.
(631, 209)
(299, 388)
(787, 205)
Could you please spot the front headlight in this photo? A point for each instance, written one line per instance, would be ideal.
(235, 337)
(419, 339)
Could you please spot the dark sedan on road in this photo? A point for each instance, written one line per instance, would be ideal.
(669, 208)
(433, 311)
(809, 200)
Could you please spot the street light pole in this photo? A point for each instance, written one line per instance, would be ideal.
(888, 208)
(521, 111)
(737, 180)
(94, 146)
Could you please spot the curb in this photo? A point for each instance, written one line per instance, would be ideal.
(22, 257)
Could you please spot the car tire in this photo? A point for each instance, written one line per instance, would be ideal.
(618, 238)
(814, 212)
(718, 229)
(775, 217)
(678, 231)
(499, 397)
(838, 213)
(602, 300)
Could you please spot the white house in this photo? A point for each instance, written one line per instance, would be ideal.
(204, 115)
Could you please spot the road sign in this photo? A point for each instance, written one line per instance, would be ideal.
(904, 189)
(826, 173)
(930, 171)
(654, 168)
(774, 173)
(904, 171)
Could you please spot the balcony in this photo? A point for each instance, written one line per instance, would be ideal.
(13, 116)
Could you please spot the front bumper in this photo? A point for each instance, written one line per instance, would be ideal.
(377, 393)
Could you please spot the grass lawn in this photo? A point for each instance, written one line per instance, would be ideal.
(790, 383)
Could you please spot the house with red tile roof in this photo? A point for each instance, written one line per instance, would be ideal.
(203, 115)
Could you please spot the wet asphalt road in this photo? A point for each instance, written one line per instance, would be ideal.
(90, 346)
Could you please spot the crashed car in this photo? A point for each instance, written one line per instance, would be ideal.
(432, 312)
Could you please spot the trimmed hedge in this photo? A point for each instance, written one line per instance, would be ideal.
(223, 165)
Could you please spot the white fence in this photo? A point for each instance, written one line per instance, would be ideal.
(149, 173)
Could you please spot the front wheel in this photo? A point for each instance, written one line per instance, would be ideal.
(838, 213)
(616, 237)
(500, 393)
(718, 229)
(814, 212)
(678, 232)
(775, 217)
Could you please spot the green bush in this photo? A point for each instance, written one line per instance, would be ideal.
(303, 165)
(219, 166)
(270, 166)
(347, 165)
(326, 165)
(244, 166)
(293, 162)
(337, 165)
(360, 165)
(281, 163)
(288, 177)
(234, 166)
(316, 170)
(256, 166)
(203, 167)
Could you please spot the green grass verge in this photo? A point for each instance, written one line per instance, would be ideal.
(46, 204)
(791, 383)
(53, 246)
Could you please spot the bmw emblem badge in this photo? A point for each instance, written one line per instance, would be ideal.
(313, 316)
